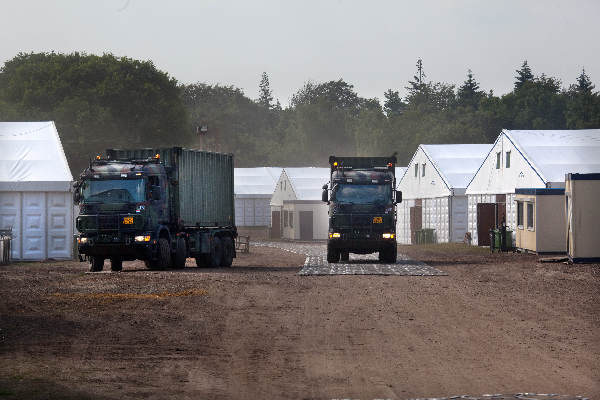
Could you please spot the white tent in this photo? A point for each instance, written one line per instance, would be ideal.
(253, 189)
(526, 159)
(35, 191)
(433, 190)
(296, 206)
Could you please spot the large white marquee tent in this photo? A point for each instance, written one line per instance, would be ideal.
(526, 159)
(253, 189)
(433, 190)
(35, 191)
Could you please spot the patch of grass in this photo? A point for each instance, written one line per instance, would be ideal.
(448, 248)
(129, 296)
(6, 392)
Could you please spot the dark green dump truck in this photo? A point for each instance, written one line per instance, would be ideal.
(158, 205)
(362, 207)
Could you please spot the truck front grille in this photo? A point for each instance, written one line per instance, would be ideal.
(108, 222)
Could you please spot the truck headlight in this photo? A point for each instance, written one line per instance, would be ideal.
(82, 240)
(334, 235)
(143, 238)
(388, 235)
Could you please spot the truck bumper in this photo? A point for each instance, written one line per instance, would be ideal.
(124, 250)
(361, 246)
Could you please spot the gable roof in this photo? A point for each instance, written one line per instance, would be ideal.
(32, 157)
(307, 182)
(456, 163)
(554, 153)
(256, 181)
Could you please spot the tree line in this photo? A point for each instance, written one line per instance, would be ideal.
(101, 102)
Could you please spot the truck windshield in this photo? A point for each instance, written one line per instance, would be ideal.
(113, 191)
(363, 194)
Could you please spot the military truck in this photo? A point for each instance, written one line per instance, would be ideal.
(158, 205)
(362, 207)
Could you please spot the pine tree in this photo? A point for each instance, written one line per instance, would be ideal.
(584, 83)
(469, 93)
(523, 75)
(265, 94)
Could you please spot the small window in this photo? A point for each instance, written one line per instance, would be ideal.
(416, 170)
(498, 158)
(520, 214)
(423, 172)
(291, 215)
(285, 186)
(507, 163)
(530, 216)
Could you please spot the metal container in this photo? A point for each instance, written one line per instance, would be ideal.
(202, 183)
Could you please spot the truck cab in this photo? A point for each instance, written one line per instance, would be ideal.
(362, 207)
(124, 210)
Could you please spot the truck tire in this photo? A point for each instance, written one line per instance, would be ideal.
(389, 255)
(180, 253)
(216, 252)
(345, 256)
(96, 264)
(164, 253)
(203, 260)
(116, 264)
(333, 255)
(228, 251)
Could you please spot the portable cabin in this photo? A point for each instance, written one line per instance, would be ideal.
(582, 192)
(525, 159)
(540, 220)
(433, 191)
(36, 201)
(297, 211)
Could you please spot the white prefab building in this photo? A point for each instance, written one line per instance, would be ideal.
(35, 191)
(433, 191)
(526, 159)
(253, 189)
(297, 211)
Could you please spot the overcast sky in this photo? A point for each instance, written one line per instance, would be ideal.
(373, 45)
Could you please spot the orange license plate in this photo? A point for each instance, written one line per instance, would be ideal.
(128, 220)
(377, 220)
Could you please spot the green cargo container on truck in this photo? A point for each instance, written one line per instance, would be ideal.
(157, 205)
(362, 207)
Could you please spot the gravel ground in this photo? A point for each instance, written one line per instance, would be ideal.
(500, 323)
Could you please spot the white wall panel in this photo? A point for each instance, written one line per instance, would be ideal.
(34, 226)
(59, 242)
(10, 217)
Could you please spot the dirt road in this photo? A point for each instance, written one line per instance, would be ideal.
(494, 324)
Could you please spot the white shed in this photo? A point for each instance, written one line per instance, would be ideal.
(526, 159)
(35, 191)
(253, 189)
(296, 207)
(433, 191)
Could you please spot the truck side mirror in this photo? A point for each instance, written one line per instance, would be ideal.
(155, 193)
(398, 196)
(324, 197)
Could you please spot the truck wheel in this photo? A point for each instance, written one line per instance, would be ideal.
(164, 253)
(203, 260)
(180, 253)
(345, 256)
(333, 255)
(216, 252)
(227, 252)
(96, 264)
(116, 264)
